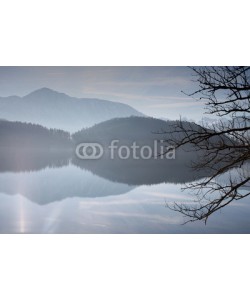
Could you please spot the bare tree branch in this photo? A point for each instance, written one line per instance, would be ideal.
(223, 148)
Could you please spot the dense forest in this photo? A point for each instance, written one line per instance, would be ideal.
(18, 135)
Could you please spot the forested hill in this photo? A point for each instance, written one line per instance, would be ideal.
(18, 135)
(139, 129)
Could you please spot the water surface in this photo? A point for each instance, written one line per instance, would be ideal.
(101, 197)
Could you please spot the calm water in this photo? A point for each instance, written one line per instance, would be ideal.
(71, 198)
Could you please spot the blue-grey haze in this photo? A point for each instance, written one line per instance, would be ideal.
(154, 91)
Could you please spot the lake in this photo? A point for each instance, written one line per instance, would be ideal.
(105, 197)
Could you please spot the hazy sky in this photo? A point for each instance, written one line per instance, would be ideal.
(155, 91)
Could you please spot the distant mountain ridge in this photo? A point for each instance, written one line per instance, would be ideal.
(53, 109)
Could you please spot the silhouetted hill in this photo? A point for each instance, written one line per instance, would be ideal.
(57, 110)
(17, 136)
(142, 130)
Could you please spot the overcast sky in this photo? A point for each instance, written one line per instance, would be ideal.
(155, 91)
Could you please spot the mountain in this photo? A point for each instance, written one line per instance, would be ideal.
(57, 110)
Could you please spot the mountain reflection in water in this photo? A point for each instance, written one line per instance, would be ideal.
(43, 192)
